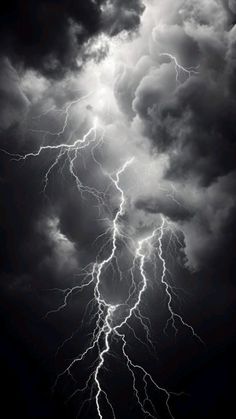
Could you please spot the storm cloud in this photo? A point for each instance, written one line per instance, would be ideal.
(52, 37)
(188, 117)
(105, 56)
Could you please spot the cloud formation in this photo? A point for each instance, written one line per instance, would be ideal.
(183, 132)
(52, 37)
(191, 120)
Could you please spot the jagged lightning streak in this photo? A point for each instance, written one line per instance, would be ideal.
(112, 321)
(141, 257)
(168, 289)
(68, 151)
(103, 325)
(107, 326)
(188, 71)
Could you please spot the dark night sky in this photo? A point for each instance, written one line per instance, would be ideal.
(182, 132)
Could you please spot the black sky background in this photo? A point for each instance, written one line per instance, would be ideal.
(31, 40)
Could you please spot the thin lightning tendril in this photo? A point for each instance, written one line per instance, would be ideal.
(188, 71)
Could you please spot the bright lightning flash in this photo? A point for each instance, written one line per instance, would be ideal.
(112, 321)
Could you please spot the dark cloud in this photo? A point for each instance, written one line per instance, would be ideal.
(192, 120)
(119, 15)
(41, 237)
(231, 5)
(45, 240)
(196, 126)
(164, 205)
(49, 36)
(13, 102)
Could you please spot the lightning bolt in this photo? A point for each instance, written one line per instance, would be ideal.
(168, 288)
(67, 151)
(109, 325)
(112, 321)
(179, 69)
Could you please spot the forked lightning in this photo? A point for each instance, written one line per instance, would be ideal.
(113, 322)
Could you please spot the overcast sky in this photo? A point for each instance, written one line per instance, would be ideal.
(115, 63)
